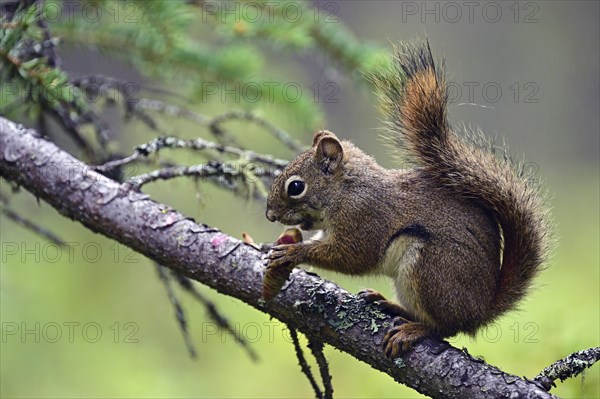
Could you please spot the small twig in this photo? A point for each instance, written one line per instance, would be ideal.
(109, 82)
(250, 168)
(49, 42)
(87, 114)
(71, 126)
(228, 175)
(210, 170)
(304, 365)
(279, 134)
(102, 85)
(172, 172)
(170, 110)
(103, 131)
(214, 314)
(71, 112)
(41, 231)
(164, 277)
(568, 367)
(42, 123)
(160, 143)
(110, 165)
(317, 350)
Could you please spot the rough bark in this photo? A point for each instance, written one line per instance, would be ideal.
(317, 307)
(569, 367)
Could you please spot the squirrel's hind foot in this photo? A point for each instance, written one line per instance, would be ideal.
(370, 295)
(399, 339)
(405, 332)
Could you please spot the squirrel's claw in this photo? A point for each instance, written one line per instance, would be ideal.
(370, 295)
(401, 338)
(386, 306)
(281, 255)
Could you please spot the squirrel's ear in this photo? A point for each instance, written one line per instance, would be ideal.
(319, 135)
(329, 153)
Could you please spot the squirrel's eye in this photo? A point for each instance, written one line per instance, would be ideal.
(295, 187)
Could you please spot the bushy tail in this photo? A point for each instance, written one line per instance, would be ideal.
(414, 97)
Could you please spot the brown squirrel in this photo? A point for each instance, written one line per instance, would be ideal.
(462, 235)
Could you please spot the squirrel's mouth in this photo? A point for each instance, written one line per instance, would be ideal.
(290, 218)
(306, 224)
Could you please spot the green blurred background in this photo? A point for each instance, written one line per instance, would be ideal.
(119, 336)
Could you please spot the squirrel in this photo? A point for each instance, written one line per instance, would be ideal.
(462, 234)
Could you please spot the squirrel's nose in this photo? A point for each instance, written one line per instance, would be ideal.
(271, 215)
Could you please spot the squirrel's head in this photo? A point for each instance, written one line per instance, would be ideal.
(299, 195)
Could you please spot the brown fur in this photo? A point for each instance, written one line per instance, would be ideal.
(452, 213)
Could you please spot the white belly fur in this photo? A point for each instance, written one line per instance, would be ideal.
(400, 258)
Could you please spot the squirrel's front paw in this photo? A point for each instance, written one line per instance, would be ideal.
(283, 255)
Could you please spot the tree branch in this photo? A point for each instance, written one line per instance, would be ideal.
(319, 308)
(304, 365)
(568, 367)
